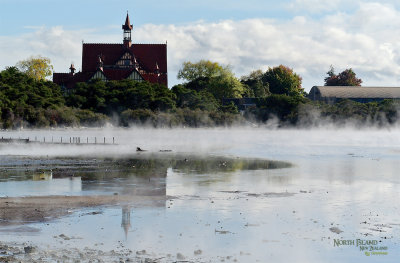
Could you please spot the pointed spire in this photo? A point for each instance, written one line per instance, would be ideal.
(127, 25)
(127, 31)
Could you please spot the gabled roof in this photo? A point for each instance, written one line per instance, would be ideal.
(149, 60)
(61, 77)
(351, 92)
(110, 53)
(154, 78)
(148, 56)
(117, 74)
(69, 80)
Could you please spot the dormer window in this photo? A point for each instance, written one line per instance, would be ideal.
(126, 61)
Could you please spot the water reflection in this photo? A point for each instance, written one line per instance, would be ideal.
(234, 207)
(140, 174)
(126, 219)
(43, 176)
(42, 187)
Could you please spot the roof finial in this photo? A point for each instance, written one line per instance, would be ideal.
(157, 70)
(127, 25)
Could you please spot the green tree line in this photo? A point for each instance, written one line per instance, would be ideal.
(27, 99)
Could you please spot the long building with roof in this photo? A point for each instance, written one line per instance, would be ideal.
(332, 94)
(140, 62)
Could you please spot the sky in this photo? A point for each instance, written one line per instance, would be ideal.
(305, 35)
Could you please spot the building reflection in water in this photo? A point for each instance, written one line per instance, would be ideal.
(126, 219)
(142, 187)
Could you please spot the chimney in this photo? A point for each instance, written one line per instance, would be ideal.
(72, 69)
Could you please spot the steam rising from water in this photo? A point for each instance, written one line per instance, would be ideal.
(249, 142)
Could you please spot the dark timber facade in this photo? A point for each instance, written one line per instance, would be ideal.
(140, 62)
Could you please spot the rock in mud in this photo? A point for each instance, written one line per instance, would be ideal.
(29, 249)
(141, 252)
(64, 237)
(179, 256)
(335, 230)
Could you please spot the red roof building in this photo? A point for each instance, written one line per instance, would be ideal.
(140, 62)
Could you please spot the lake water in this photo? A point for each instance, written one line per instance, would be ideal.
(233, 195)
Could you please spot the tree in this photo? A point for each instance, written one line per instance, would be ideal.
(212, 77)
(226, 86)
(282, 80)
(188, 98)
(36, 67)
(19, 90)
(117, 96)
(23, 100)
(345, 78)
(254, 85)
(284, 107)
(202, 69)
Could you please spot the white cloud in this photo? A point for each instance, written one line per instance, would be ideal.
(366, 40)
(61, 46)
(370, 47)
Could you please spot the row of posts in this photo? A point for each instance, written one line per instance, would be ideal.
(75, 140)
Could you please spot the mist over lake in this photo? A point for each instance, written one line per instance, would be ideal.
(202, 195)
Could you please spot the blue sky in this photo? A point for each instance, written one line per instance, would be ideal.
(17, 14)
(306, 35)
